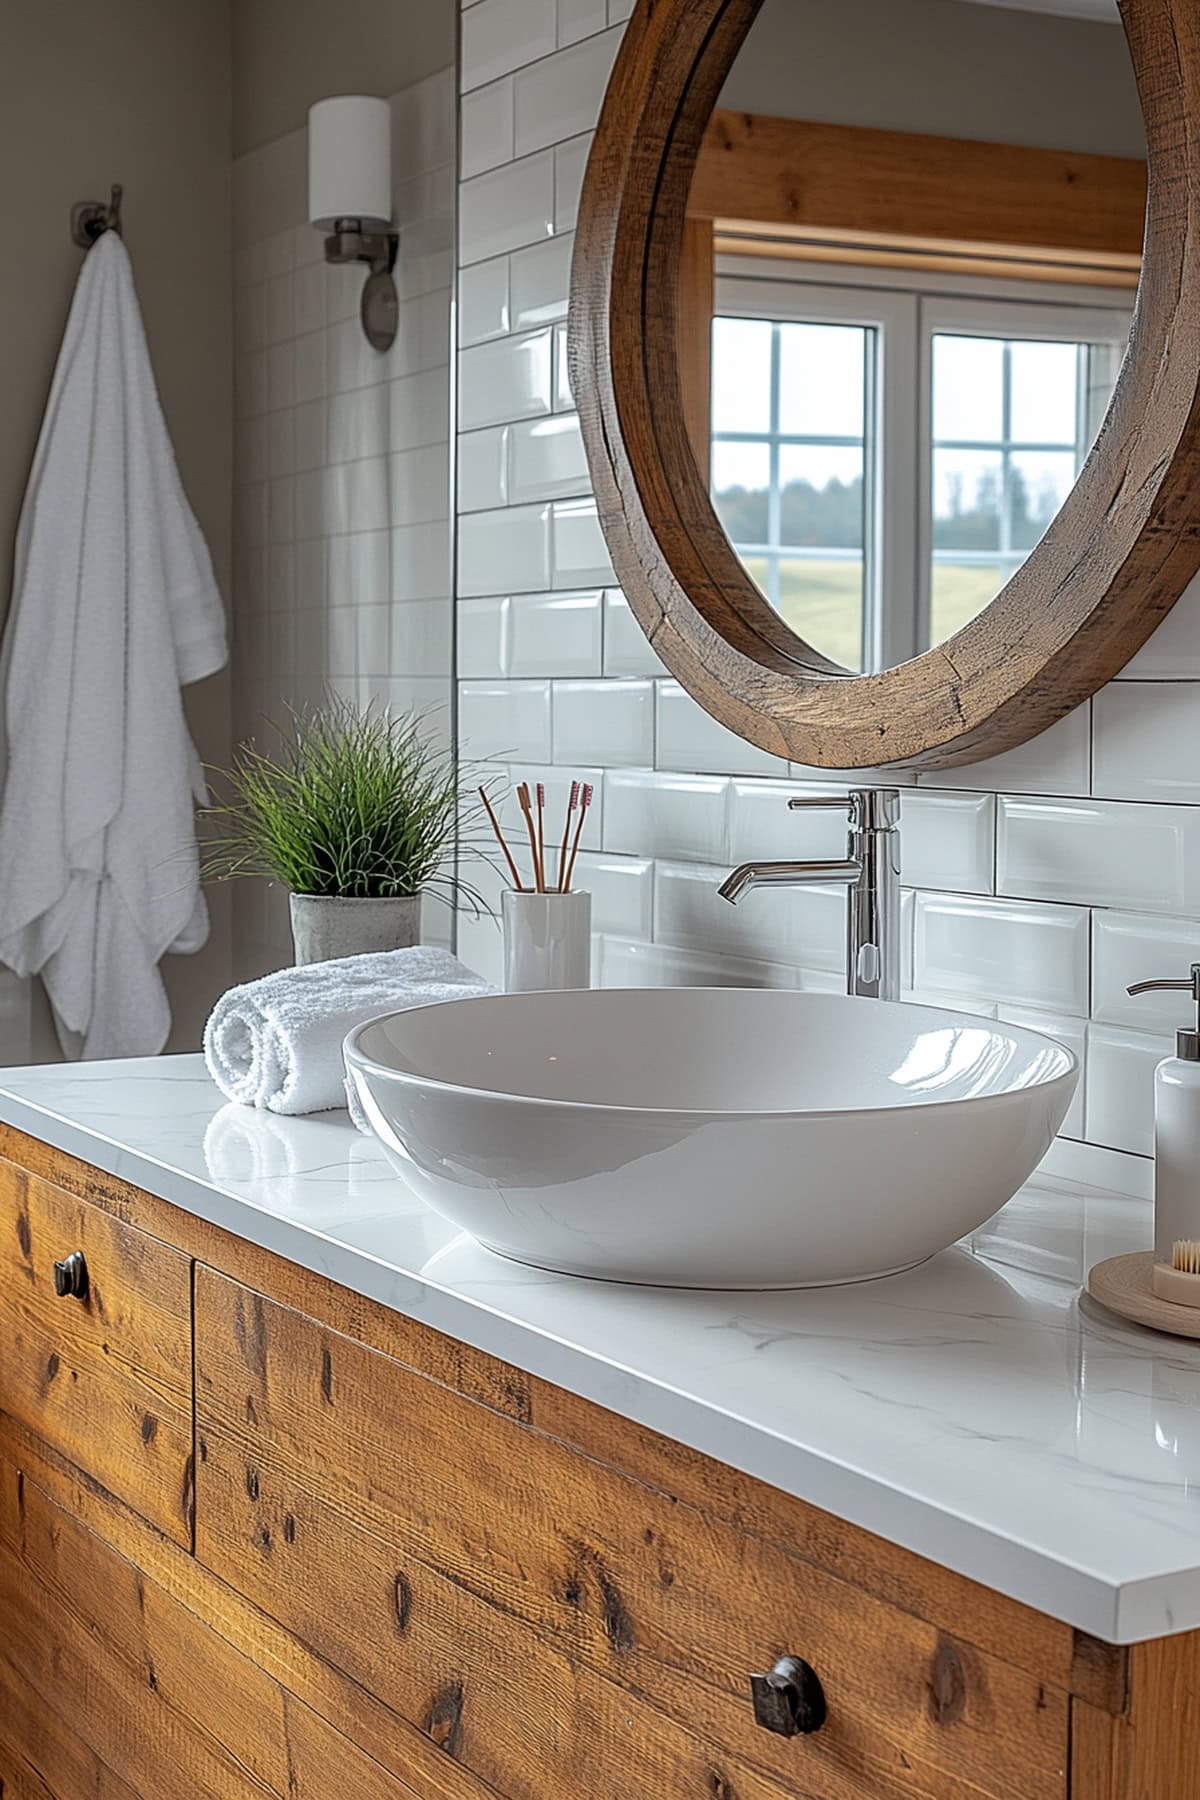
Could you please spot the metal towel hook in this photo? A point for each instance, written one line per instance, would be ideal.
(90, 219)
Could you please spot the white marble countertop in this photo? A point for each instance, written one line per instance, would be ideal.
(974, 1410)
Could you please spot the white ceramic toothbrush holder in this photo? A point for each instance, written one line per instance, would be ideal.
(547, 940)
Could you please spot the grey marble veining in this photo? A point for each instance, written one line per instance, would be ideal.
(974, 1410)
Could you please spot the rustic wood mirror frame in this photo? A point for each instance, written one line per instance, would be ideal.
(1111, 566)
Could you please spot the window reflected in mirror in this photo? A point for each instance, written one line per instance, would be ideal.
(884, 455)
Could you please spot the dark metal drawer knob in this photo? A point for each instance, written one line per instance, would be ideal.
(71, 1277)
(789, 1698)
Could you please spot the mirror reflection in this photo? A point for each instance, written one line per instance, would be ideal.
(914, 239)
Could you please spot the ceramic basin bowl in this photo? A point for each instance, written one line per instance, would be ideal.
(723, 1137)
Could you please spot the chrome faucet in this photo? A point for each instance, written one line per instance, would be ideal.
(870, 872)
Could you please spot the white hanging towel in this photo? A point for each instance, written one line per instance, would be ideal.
(115, 608)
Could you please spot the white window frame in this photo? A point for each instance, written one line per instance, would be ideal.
(905, 318)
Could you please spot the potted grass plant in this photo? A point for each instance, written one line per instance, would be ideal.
(356, 812)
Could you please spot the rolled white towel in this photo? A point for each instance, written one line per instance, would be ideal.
(277, 1042)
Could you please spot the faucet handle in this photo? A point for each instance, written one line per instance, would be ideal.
(869, 809)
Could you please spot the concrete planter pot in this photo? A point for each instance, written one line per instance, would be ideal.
(327, 926)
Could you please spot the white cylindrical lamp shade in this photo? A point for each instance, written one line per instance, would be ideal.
(350, 162)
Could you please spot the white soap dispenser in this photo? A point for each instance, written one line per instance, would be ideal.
(1176, 1272)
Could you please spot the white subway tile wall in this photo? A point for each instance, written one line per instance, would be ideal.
(1038, 884)
(342, 529)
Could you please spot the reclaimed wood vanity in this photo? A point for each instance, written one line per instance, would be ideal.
(261, 1535)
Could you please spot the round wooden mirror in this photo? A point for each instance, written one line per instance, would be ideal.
(1111, 563)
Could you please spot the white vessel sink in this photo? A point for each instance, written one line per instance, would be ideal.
(710, 1137)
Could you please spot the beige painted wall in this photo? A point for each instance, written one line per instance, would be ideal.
(994, 73)
(136, 91)
(288, 53)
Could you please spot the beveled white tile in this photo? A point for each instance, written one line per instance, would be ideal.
(948, 841)
(555, 634)
(483, 302)
(1106, 852)
(507, 551)
(580, 555)
(673, 816)
(693, 742)
(486, 130)
(1173, 652)
(546, 460)
(1146, 741)
(505, 721)
(629, 964)
(564, 398)
(762, 827)
(1023, 955)
(619, 10)
(1072, 1034)
(511, 378)
(580, 18)
(968, 1003)
(1056, 762)
(627, 649)
(483, 469)
(1129, 947)
(560, 96)
(500, 35)
(541, 282)
(570, 161)
(796, 926)
(606, 722)
(1119, 1096)
(483, 639)
(506, 208)
(622, 890)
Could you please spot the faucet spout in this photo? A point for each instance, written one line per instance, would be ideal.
(870, 873)
(788, 874)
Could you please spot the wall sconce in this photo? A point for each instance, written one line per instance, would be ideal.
(350, 198)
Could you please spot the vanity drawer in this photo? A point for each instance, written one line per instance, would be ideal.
(559, 1626)
(102, 1371)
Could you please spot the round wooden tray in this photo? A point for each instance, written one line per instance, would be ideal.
(1123, 1285)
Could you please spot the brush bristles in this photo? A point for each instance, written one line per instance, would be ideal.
(1185, 1256)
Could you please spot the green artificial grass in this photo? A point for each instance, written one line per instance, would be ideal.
(349, 803)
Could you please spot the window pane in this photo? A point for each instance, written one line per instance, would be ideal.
(741, 481)
(741, 375)
(968, 389)
(1044, 379)
(1041, 481)
(822, 599)
(960, 590)
(821, 496)
(821, 374)
(968, 494)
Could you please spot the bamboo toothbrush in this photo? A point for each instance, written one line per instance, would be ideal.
(584, 803)
(541, 837)
(562, 855)
(527, 811)
(508, 855)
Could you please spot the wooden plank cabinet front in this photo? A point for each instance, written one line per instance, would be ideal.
(415, 1571)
